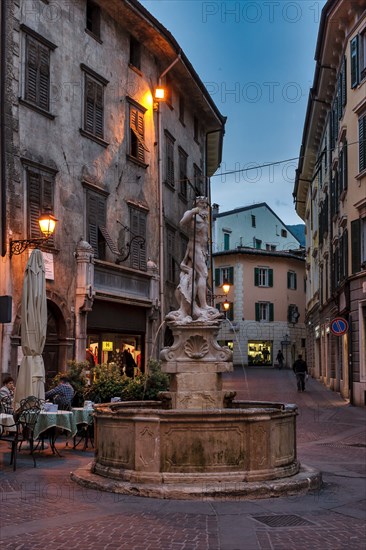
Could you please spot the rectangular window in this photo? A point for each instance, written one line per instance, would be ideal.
(138, 223)
(183, 179)
(37, 73)
(362, 55)
(253, 221)
(291, 280)
(362, 142)
(283, 233)
(135, 53)
(40, 185)
(137, 145)
(93, 18)
(198, 181)
(264, 312)
(257, 243)
(224, 274)
(226, 241)
(343, 168)
(94, 107)
(169, 159)
(263, 276)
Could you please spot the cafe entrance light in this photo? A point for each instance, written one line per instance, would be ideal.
(159, 93)
(47, 224)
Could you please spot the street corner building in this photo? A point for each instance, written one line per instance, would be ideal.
(330, 196)
(105, 125)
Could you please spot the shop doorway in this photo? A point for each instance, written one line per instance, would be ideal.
(123, 349)
(260, 353)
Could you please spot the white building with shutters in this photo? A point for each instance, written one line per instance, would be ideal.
(83, 137)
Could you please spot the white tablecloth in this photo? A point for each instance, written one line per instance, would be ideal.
(7, 423)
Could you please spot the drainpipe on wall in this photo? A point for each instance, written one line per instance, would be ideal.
(161, 217)
(2, 128)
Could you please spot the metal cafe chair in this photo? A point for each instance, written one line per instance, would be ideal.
(6, 405)
(25, 419)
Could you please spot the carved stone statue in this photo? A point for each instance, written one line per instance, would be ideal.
(192, 288)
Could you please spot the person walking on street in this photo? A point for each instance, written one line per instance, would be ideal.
(280, 358)
(300, 368)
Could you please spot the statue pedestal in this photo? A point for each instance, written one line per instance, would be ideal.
(196, 362)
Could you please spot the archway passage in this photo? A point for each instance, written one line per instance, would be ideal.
(52, 355)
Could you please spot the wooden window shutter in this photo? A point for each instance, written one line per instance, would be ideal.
(217, 276)
(99, 110)
(93, 222)
(356, 245)
(44, 77)
(31, 78)
(256, 276)
(288, 279)
(138, 227)
(257, 312)
(231, 275)
(295, 281)
(354, 62)
(47, 198)
(270, 277)
(271, 312)
(344, 82)
(35, 203)
(230, 313)
(89, 104)
(345, 165)
(362, 143)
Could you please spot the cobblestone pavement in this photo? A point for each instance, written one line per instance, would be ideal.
(42, 509)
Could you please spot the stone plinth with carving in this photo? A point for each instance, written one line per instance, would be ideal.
(195, 363)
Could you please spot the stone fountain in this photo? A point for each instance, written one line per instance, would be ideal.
(197, 442)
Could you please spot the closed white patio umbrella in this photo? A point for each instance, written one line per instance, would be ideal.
(31, 377)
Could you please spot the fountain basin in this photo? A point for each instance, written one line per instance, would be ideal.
(149, 445)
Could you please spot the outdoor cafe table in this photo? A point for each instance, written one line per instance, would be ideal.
(83, 416)
(52, 422)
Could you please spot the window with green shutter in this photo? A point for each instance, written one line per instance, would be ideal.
(226, 241)
(263, 276)
(362, 142)
(264, 312)
(355, 78)
(137, 145)
(183, 178)
(94, 107)
(291, 280)
(356, 245)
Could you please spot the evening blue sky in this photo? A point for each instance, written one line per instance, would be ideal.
(256, 59)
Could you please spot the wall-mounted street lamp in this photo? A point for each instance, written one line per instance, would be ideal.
(225, 288)
(47, 223)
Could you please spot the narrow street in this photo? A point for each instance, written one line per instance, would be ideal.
(42, 508)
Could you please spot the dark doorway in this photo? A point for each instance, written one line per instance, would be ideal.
(51, 348)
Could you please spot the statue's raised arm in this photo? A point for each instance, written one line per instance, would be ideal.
(192, 289)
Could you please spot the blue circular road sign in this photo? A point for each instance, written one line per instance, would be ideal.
(339, 326)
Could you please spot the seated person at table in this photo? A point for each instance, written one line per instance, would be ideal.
(7, 395)
(62, 394)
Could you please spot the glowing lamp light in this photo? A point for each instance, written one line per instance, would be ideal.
(226, 287)
(226, 305)
(47, 224)
(159, 94)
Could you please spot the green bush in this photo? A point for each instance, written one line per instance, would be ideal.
(108, 382)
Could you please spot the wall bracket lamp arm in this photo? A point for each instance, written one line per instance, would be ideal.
(128, 247)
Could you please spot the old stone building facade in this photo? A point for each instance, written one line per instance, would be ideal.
(83, 137)
(330, 196)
